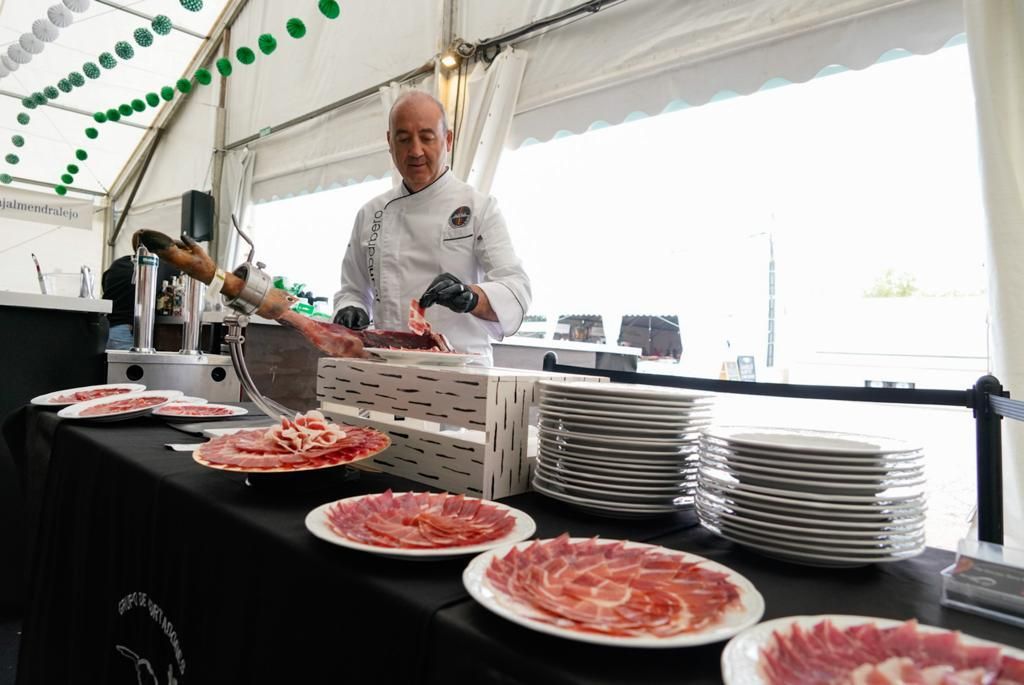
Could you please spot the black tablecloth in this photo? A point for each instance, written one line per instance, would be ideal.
(146, 560)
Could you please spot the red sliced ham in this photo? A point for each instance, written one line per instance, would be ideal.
(609, 588)
(418, 319)
(879, 656)
(85, 395)
(306, 442)
(121, 406)
(195, 410)
(419, 520)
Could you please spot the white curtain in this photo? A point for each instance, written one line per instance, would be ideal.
(485, 117)
(995, 39)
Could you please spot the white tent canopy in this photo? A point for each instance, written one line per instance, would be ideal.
(312, 114)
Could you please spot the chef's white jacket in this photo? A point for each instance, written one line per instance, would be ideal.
(402, 240)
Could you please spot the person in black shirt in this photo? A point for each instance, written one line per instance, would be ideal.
(118, 287)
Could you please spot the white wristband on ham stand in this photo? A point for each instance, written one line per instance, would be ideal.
(216, 284)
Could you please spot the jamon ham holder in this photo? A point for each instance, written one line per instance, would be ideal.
(332, 339)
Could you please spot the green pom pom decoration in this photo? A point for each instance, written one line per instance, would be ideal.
(138, 105)
(76, 79)
(192, 5)
(6, 178)
(245, 55)
(267, 43)
(329, 8)
(51, 93)
(23, 119)
(81, 155)
(167, 93)
(113, 115)
(124, 50)
(64, 85)
(12, 159)
(152, 99)
(161, 25)
(60, 190)
(93, 71)
(17, 140)
(143, 37)
(91, 132)
(224, 66)
(67, 178)
(107, 61)
(184, 85)
(28, 103)
(125, 110)
(295, 27)
(38, 98)
(72, 168)
(204, 77)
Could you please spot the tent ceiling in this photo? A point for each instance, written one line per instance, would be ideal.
(53, 134)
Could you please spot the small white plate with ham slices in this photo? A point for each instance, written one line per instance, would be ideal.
(179, 411)
(64, 398)
(535, 585)
(119, 407)
(447, 526)
(753, 657)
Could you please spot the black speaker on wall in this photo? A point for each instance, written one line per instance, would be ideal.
(197, 215)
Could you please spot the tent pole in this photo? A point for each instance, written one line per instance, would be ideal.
(73, 110)
(49, 185)
(218, 149)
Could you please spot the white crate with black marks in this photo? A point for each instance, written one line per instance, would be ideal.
(459, 428)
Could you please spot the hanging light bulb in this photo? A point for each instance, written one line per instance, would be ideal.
(45, 30)
(60, 16)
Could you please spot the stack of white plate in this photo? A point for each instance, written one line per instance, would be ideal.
(813, 497)
(617, 449)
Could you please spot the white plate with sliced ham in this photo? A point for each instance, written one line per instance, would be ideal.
(421, 525)
(787, 651)
(304, 443)
(64, 398)
(119, 407)
(613, 592)
(179, 411)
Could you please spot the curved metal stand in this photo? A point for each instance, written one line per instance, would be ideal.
(234, 338)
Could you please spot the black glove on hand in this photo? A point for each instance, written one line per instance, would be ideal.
(448, 291)
(352, 317)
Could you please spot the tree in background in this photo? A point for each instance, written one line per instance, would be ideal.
(891, 284)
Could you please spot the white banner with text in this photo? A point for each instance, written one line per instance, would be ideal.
(45, 208)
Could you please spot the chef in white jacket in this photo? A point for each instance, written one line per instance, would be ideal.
(434, 239)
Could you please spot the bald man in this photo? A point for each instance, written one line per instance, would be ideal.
(433, 239)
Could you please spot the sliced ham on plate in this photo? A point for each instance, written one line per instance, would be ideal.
(869, 653)
(419, 520)
(422, 525)
(306, 442)
(614, 592)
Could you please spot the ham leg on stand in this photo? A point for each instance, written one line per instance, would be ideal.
(187, 255)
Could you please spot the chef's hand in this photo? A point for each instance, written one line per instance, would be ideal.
(352, 317)
(448, 291)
